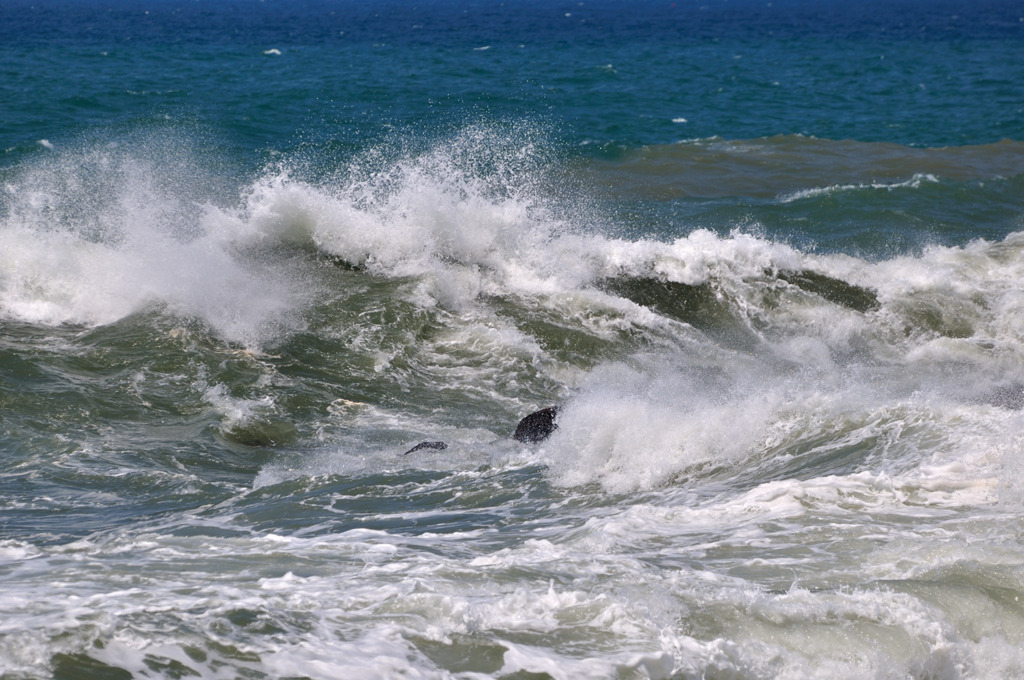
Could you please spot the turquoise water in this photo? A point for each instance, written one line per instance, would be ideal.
(765, 257)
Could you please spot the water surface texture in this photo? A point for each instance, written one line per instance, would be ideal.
(767, 258)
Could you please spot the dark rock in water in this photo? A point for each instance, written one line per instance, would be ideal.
(694, 305)
(834, 290)
(534, 428)
(433, 446)
(537, 426)
(342, 263)
(261, 433)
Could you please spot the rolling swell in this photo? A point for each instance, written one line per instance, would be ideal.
(253, 252)
(443, 266)
(829, 194)
(724, 399)
(783, 165)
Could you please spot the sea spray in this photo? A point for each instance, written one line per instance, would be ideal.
(97, 233)
(772, 459)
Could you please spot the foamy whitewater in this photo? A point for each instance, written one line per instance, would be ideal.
(789, 365)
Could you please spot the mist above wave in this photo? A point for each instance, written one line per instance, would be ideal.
(97, 232)
(511, 290)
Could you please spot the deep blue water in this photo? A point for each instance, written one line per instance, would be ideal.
(606, 73)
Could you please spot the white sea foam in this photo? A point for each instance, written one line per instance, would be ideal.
(95, 235)
(913, 183)
(632, 430)
(641, 422)
(654, 588)
(236, 411)
(16, 551)
(99, 234)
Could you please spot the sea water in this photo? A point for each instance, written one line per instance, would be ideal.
(767, 258)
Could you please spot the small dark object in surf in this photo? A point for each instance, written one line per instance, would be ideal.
(534, 428)
(433, 446)
(537, 426)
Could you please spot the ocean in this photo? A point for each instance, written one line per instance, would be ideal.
(766, 258)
